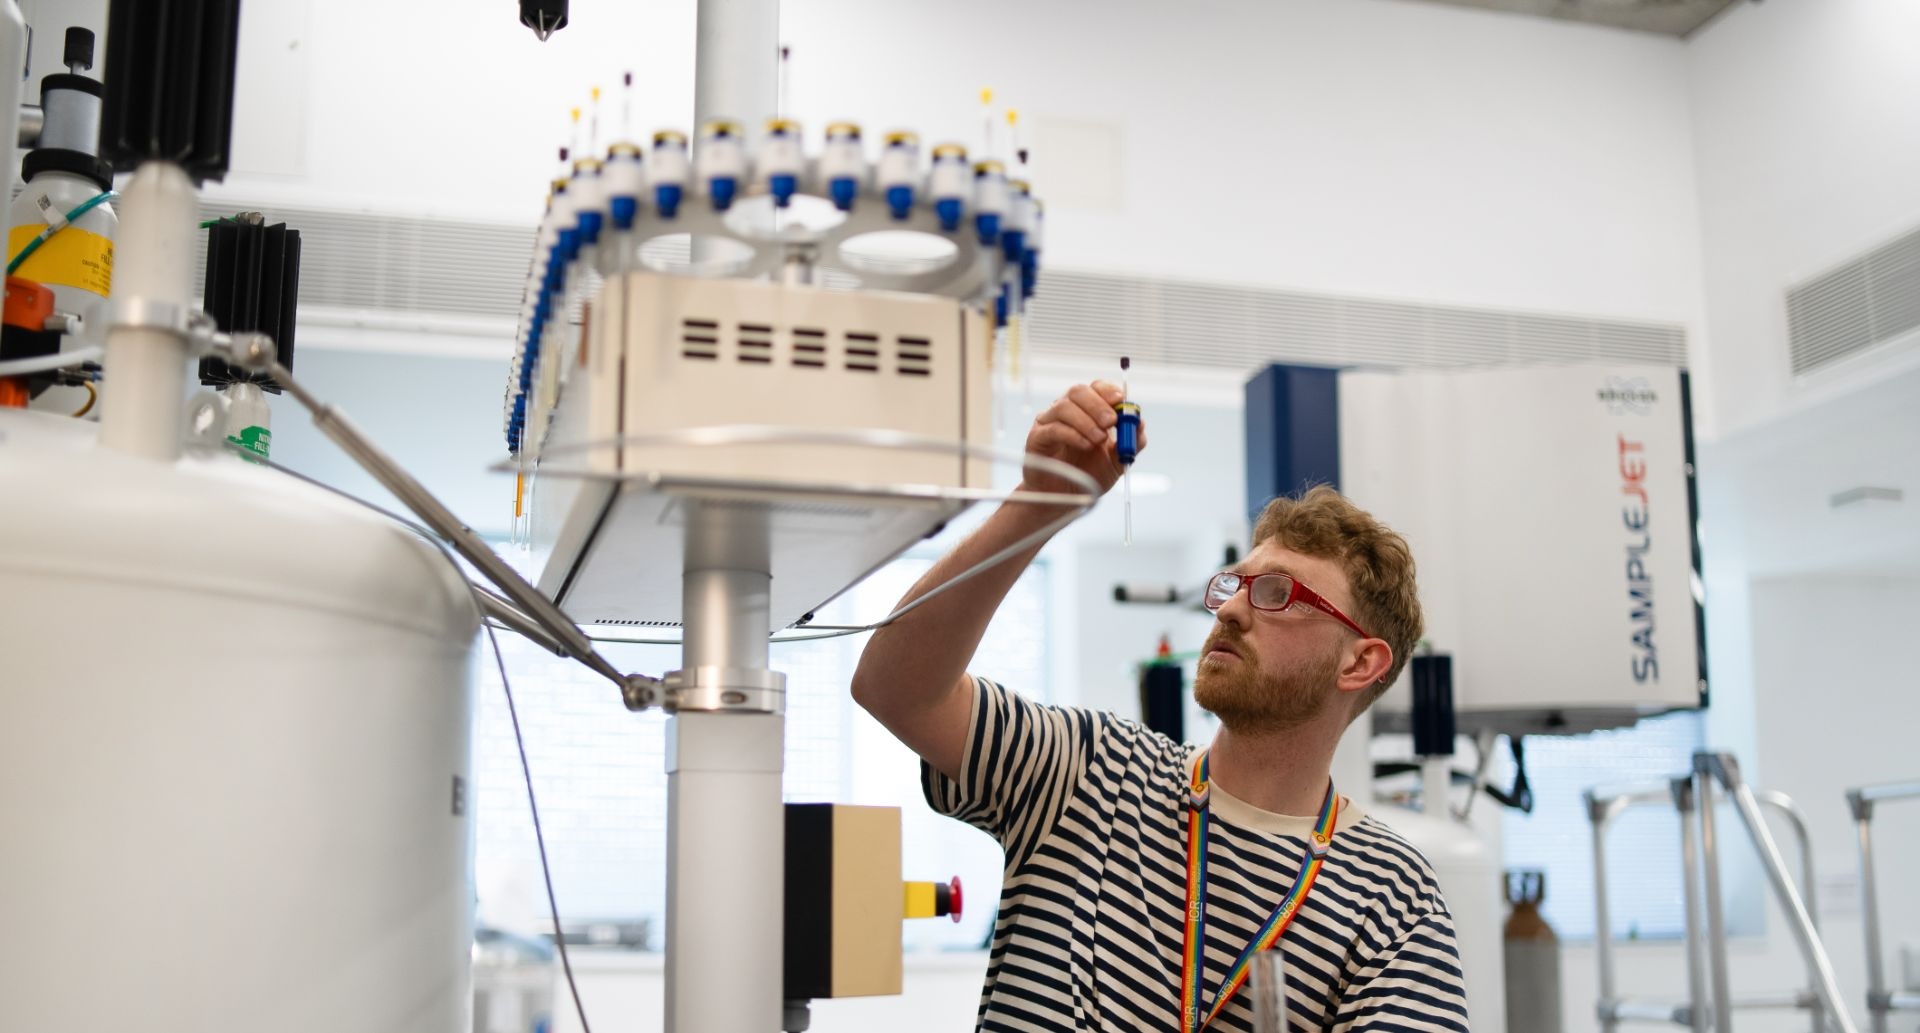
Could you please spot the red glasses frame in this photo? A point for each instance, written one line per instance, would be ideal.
(1223, 586)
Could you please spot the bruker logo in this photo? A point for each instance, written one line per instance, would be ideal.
(1628, 395)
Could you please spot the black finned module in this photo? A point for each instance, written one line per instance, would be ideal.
(253, 284)
(169, 84)
(1433, 725)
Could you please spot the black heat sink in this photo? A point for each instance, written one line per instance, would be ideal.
(253, 284)
(169, 84)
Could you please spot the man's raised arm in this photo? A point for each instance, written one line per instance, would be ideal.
(912, 676)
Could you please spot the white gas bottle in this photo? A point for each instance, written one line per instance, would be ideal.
(1466, 860)
(234, 751)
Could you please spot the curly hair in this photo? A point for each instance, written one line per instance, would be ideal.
(1376, 560)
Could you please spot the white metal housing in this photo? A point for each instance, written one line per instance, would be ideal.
(234, 735)
(662, 354)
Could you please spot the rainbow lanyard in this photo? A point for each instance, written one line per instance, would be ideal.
(1191, 969)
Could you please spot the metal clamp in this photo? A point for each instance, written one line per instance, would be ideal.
(251, 351)
(747, 690)
(640, 692)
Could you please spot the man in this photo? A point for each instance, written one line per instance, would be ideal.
(1124, 848)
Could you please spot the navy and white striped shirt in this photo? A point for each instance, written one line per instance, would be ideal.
(1092, 812)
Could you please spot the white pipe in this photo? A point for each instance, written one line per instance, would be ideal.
(1436, 786)
(142, 399)
(42, 363)
(736, 65)
(726, 825)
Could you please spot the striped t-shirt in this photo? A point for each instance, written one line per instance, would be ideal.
(1092, 813)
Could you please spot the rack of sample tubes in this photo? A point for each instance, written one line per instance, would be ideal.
(728, 282)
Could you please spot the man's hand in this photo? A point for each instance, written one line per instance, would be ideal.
(1077, 430)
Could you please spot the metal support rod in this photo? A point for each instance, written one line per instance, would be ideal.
(1800, 920)
(726, 827)
(1716, 917)
(1600, 814)
(1700, 1009)
(1783, 805)
(1601, 811)
(736, 63)
(32, 120)
(1484, 743)
(510, 617)
(146, 366)
(1870, 913)
(1642, 1011)
(437, 516)
(1861, 801)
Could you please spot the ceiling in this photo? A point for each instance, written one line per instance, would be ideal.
(1666, 17)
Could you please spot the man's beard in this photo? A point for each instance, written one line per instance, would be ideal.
(1245, 698)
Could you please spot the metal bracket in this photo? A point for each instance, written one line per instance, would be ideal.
(739, 690)
(639, 692)
(248, 350)
(1861, 806)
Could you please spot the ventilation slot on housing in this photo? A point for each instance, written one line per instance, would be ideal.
(699, 339)
(624, 623)
(863, 352)
(916, 356)
(809, 347)
(756, 343)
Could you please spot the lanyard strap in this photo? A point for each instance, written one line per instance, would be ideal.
(1192, 1019)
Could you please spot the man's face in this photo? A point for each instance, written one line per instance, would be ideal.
(1262, 670)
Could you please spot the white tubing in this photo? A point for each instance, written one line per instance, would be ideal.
(142, 401)
(43, 363)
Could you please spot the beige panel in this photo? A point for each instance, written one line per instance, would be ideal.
(868, 902)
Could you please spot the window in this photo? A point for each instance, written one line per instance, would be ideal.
(1643, 844)
(600, 775)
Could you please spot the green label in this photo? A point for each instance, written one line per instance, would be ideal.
(256, 440)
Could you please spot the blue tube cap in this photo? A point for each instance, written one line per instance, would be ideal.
(987, 224)
(624, 209)
(666, 197)
(722, 189)
(782, 188)
(948, 209)
(900, 201)
(1013, 244)
(843, 190)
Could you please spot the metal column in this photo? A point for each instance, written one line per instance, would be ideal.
(1880, 1001)
(736, 64)
(1699, 1016)
(726, 830)
(1715, 908)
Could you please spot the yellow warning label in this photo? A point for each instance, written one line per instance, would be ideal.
(72, 257)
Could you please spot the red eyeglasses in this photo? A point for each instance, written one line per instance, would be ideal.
(1273, 593)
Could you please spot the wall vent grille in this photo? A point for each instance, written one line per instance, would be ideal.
(1868, 301)
(404, 264)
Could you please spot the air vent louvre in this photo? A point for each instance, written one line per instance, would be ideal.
(700, 339)
(1173, 322)
(1870, 300)
(914, 356)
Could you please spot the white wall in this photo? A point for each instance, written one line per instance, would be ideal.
(1807, 154)
(1364, 146)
